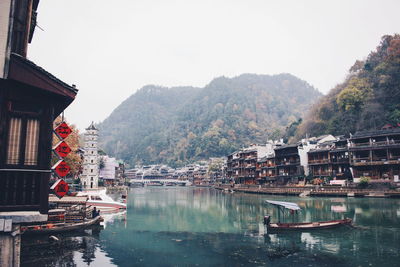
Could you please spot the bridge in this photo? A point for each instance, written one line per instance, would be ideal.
(161, 181)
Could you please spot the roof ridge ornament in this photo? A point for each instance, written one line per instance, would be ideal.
(91, 127)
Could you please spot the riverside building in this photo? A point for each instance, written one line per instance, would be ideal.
(372, 154)
(30, 99)
(376, 154)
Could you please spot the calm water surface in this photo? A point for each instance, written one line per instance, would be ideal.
(177, 226)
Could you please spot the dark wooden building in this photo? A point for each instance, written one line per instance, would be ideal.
(30, 99)
(330, 160)
(266, 170)
(287, 162)
(376, 154)
(242, 165)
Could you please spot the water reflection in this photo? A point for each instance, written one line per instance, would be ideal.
(188, 226)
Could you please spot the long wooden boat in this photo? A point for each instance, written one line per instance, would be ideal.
(59, 227)
(274, 227)
(299, 226)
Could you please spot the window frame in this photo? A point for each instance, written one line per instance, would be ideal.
(24, 116)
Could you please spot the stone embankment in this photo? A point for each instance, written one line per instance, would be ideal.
(333, 191)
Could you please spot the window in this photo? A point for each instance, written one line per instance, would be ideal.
(18, 128)
(32, 142)
(14, 140)
(23, 134)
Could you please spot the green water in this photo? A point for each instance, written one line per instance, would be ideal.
(178, 226)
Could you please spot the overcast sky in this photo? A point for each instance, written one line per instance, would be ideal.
(110, 49)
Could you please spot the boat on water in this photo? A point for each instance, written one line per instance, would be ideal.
(52, 228)
(102, 202)
(298, 226)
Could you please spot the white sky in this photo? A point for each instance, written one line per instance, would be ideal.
(110, 49)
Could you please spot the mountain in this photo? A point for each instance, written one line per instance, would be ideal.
(368, 99)
(180, 124)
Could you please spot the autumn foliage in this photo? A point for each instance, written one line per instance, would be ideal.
(368, 99)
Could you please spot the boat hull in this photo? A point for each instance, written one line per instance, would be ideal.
(104, 206)
(278, 227)
(59, 228)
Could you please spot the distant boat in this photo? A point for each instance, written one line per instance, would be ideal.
(281, 205)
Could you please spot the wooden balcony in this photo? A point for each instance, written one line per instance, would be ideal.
(318, 161)
(286, 163)
(321, 173)
(374, 161)
(249, 166)
(340, 161)
(354, 146)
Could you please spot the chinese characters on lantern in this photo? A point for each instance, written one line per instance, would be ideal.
(61, 168)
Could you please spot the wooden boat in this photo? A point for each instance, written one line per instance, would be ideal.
(273, 227)
(51, 228)
(296, 226)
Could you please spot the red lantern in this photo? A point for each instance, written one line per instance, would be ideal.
(63, 130)
(60, 188)
(62, 149)
(61, 168)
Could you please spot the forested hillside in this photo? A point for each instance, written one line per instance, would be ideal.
(181, 124)
(368, 99)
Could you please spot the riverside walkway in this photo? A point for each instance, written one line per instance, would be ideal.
(312, 191)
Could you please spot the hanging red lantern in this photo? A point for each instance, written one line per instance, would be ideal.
(60, 188)
(63, 130)
(62, 149)
(61, 168)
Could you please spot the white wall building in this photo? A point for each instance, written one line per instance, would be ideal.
(308, 144)
(110, 166)
(90, 173)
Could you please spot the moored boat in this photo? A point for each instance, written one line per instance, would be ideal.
(101, 201)
(51, 228)
(298, 226)
(308, 225)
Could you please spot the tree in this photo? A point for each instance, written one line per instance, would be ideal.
(368, 99)
(353, 96)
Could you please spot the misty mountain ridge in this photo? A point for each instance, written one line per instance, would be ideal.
(177, 125)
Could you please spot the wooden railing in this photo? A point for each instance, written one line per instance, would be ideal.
(291, 162)
(376, 143)
(25, 190)
(316, 161)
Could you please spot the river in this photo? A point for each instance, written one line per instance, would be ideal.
(187, 226)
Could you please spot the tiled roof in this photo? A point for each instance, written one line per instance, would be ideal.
(91, 127)
(44, 72)
(286, 146)
(375, 133)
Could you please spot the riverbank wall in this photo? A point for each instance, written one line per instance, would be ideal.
(312, 191)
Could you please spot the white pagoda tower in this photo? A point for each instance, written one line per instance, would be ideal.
(90, 172)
